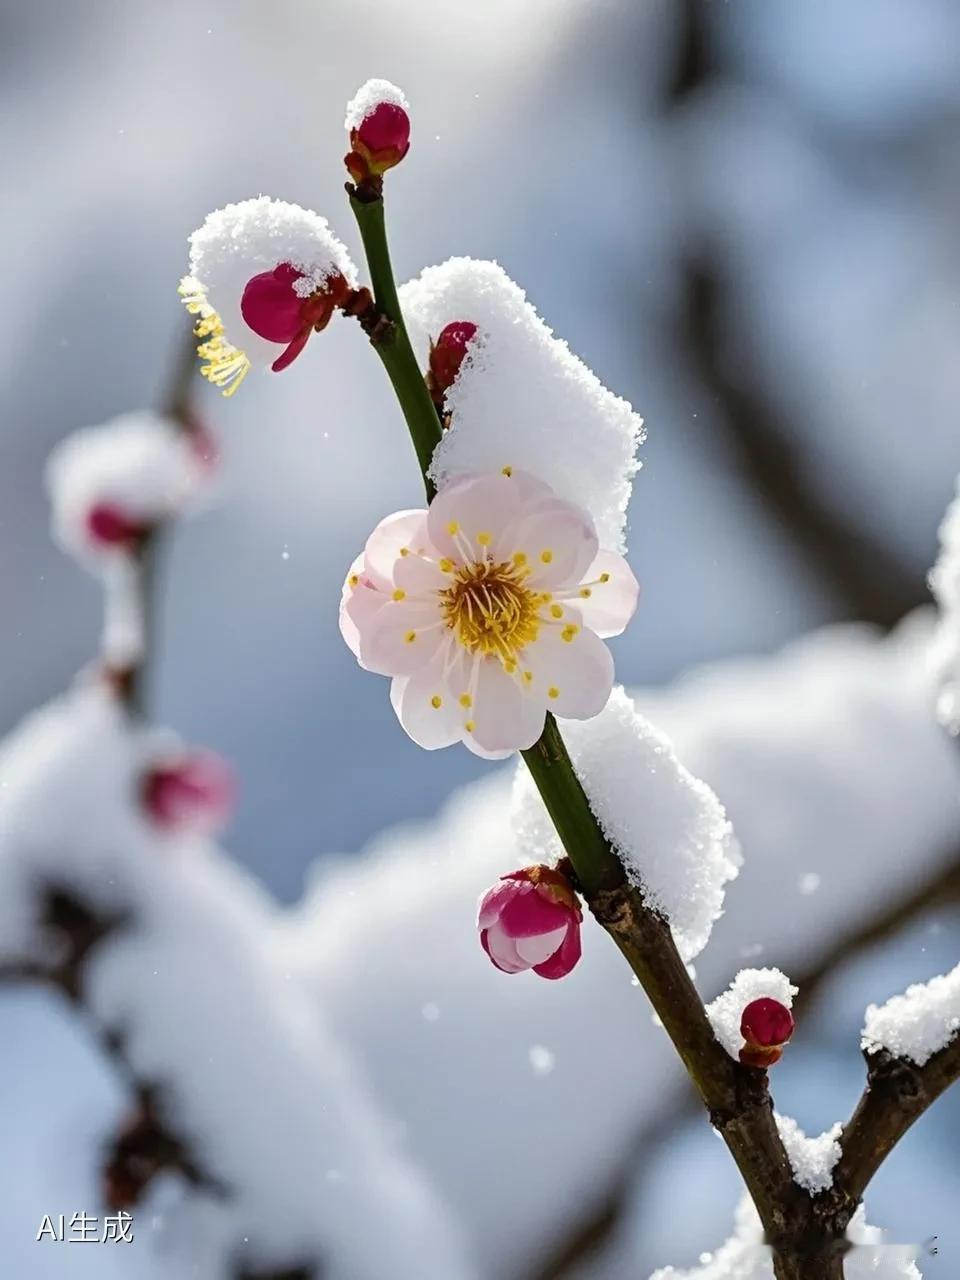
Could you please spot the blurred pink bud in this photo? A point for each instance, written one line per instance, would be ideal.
(379, 142)
(766, 1025)
(108, 525)
(447, 355)
(190, 793)
(531, 920)
(276, 311)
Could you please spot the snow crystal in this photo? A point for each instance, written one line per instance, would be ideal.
(749, 984)
(811, 1159)
(368, 97)
(945, 583)
(142, 463)
(919, 1022)
(241, 240)
(745, 1256)
(522, 398)
(69, 817)
(669, 828)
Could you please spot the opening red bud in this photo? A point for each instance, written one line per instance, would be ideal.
(379, 142)
(447, 355)
(766, 1025)
(109, 525)
(276, 308)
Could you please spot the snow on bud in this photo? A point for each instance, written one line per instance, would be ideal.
(447, 354)
(189, 793)
(488, 610)
(111, 485)
(378, 125)
(766, 1025)
(263, 276)
(531, 920)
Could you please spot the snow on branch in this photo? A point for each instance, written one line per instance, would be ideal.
(668, 827)
(916, 1024)
(811, 1159)
(296, 1159)
(522, 398)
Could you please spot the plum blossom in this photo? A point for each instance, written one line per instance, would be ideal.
(263, 276)
(488, 610)
(531, 920)
(190, 792)
(766, 1025)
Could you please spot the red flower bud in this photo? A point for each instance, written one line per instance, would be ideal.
(378, 142)
(109, 525)
(766, 1025)
(447, 354)
(531, 920)
(276, 310)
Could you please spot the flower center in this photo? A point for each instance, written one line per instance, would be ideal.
(490, 609)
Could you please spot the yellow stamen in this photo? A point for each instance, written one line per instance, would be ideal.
(484, 539)
(546, 556)
(399, 594)
(586, 592)
(446, 566)
(508, 471)
(528, 677)
(556, 611)
(490, 611)
(436, 702)
(553, 692)
(604, 577)
(404, 551)
(410, 637)
(466, 700)
(354, 579)
(470, 726)
(453, 528)
(519, 559)
(568, 632)
(224, 365)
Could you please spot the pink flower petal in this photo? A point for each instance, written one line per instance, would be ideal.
(503, 715)
(270, 307)
(419, 576)
(530, 913)
(467, 512)
(575, 674)
(564, 959)
(496, 898)
(400, 638)
(558, 541)
(502, 950)
(359, 604)
(385, 544)
(424, 705)
(611, 604)
(540, 947)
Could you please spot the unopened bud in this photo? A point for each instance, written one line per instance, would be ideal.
(379, 130)
(766, 1025)
(447, 355)
(189, 793)
(108, 525)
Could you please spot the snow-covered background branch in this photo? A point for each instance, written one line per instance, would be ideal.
(799, 159)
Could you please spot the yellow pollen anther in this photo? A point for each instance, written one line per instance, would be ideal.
(528, 677)
(224, 365)
(453, 528)
(354, 579)
(553, 692)
(568, 632)
(508, 471)
(519, 559)
(436, 702)
(466, 700)
(556, 611)
(586, 592)
(446, 566)
(604, 577)
(470, 726)
(546, 556)
(404, 551)
(411, 636)
(489, 610)
(484, 539)
(510, 666)
(399, 594)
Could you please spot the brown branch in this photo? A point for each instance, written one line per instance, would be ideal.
(897, 1093)
(592, 1232)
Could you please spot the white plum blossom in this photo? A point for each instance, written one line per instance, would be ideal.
(264, 275)
(488, 610)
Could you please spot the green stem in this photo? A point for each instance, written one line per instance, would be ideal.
(394, 347)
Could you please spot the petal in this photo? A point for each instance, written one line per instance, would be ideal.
(527, 914)
(504, 716)
(611, 604)
(359, 604)
(540, 948)
(502, 950)
(495, 899)
(424, 705)
(287, 357)
(564, 959)
(419, 576)
(400, 638)
(385, 545)
(270, 306)
(467, 516)
(572, 670)
(529, 487)
(558, 541)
